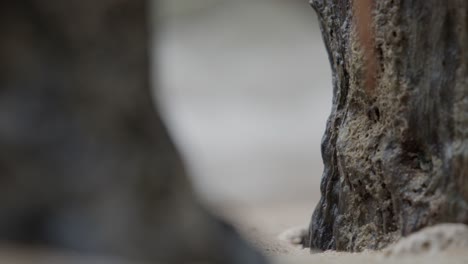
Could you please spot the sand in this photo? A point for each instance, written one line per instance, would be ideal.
(264, 227)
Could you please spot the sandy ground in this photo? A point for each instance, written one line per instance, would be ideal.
(455, 256)
(264, 226)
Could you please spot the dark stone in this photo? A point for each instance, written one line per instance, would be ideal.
(86, 162)
(395, 148)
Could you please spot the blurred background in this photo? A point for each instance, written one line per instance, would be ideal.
(246, 91)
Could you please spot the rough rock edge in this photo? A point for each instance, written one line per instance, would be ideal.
(431, 240)
(395, 159)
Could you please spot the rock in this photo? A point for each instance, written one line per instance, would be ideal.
(86, 161)
(434, 239)
(395, 148)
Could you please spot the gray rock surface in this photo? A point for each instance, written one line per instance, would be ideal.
(431, 240)
(396, 145)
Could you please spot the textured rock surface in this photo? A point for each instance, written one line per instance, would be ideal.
(396, 144)
(431, 240)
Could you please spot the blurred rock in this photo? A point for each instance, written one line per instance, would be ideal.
(431, 240)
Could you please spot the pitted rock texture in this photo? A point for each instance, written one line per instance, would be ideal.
(395, 148)
(431, 240)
